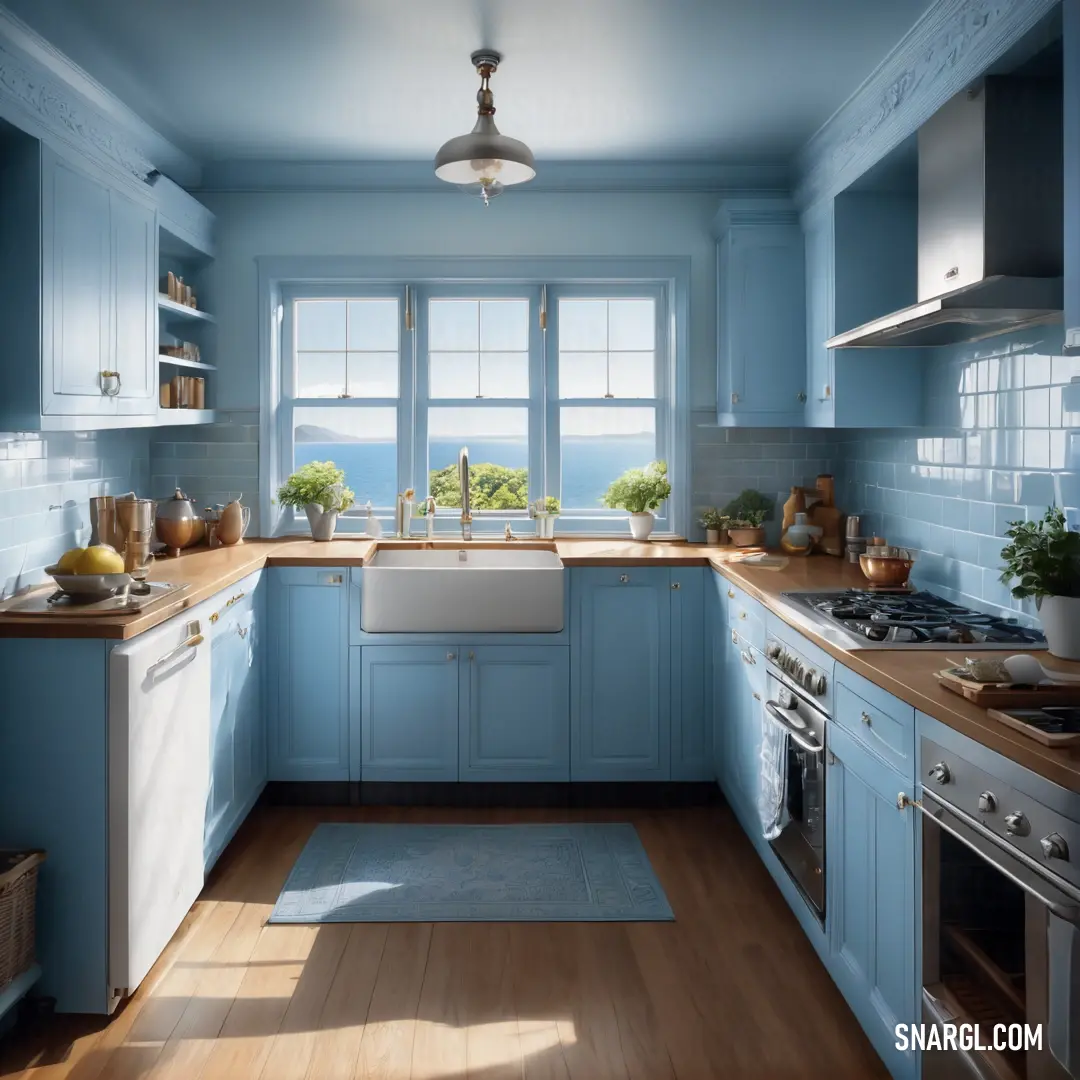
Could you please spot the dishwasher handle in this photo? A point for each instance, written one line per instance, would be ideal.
(194, 639)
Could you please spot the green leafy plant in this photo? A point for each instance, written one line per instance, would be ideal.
(551, 505)
(1043, 558)
(748, 510)
(491, 487)
(320, 482)
(713, 520)
(639, 490)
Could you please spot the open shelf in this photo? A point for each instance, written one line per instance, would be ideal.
(182, 311)
(185, 417)
(178, 361)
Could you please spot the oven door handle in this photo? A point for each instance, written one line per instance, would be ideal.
(977, 838)
(776, 714)
(941, 1014)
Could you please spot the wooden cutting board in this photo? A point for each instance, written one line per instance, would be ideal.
(1057, 741)
(1003, 696)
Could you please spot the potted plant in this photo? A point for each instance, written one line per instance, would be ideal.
(715, 525)
(1043, 561)
(318, 488)
(747, 511)
(640, 491)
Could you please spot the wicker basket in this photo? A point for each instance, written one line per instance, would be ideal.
(18, 886)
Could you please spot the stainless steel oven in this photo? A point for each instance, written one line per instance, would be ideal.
(800, 844)
(1001, 921)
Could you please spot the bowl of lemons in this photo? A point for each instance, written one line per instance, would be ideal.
(91, 573)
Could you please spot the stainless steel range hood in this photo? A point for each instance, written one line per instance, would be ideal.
(990, 220)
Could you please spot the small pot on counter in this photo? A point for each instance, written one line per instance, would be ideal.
(747, 537)
(177, 524)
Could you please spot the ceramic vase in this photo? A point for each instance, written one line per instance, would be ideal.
(1060, 616)
(641, 525)
(322, 522)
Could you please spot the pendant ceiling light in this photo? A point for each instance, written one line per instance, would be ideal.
(485, 161)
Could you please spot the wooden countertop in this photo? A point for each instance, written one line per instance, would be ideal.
(908, 674)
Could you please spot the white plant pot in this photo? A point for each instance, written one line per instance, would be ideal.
(322, 522)
(1060, 617)
(641, 525)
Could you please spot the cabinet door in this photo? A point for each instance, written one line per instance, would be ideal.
(691, 732)
(408, 712)
(309, 738)
(871, 895)
(77, 342)
(747, 674)
(227, 655)
(819, 241)
(515, 713)
(134, 253)
(621, 674)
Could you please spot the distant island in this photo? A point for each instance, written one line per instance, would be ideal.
(312, 433)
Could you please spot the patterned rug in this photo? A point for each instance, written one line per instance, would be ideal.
(472, 873)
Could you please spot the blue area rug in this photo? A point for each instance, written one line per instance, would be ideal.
(472, 873)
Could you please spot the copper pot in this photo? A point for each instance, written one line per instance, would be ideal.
(881, 571)
(176, 523)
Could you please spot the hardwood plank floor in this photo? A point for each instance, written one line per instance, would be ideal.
(730, 989)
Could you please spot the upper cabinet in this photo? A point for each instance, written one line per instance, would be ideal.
(861, 255)
(1071, 104)
(79, 269)
(761, 371)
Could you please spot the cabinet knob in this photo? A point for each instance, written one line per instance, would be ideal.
(472, 655)
(800, 397)
(734, 399)
(742, 614)
(451, 656)
(110, 383)
(734, 637)
(756, 696)
(624, 578)
(676, 585)
(731, 594)
(903, 801)
(866, 718)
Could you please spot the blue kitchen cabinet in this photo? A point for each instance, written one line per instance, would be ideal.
(620, 678)
(761, 370)
(719, 688)
(691, 729)
(745, 673)
(309, 674)
(1071, 117)
(237, 726)
(404, 707)
(861, 263)
(514, 714)
(871, 904)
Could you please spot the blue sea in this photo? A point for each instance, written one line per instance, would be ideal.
(589, 464)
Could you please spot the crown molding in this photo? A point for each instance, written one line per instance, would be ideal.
(552, 177)
(47, 94)
(754, 212)
(951, 45)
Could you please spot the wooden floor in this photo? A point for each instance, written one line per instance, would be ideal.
(730, 989)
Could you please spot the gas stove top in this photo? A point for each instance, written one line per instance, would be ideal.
(913, 620)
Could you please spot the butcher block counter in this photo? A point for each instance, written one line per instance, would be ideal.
(907, 674)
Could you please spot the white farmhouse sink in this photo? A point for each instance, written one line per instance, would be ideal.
(476, 591)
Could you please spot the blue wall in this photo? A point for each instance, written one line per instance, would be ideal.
(998, 446)
(62, 470)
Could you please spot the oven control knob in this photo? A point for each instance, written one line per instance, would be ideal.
(987, 802)
(940, 773)
(1016, 824)
(818, 689)
(773, 651)
(1054, 847)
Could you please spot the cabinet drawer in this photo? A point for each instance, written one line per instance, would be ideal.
(745, 615)
(877, 720)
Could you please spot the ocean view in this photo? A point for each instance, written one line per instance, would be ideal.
(589, 464)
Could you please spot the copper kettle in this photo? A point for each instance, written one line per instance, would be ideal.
(176, 523)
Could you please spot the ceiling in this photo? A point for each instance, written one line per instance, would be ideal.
(601, 80)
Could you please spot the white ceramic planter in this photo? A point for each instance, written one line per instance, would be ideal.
(641, 525)
(322, 522)
(1060, 616)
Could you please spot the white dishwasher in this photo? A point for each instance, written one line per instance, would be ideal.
(159, 770)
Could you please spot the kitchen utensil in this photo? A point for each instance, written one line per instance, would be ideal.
(133, 515)
(855, 546)
(1004, 696)
(853, 528)
(103, 520)
(233, 523)
(89, 587)
(1026, 669)
(891, 572)
(175, 523)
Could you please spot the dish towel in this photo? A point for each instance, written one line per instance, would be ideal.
(772, 792)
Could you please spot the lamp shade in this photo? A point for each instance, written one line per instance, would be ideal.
(485, 154)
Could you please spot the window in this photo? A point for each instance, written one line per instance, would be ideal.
(556, 390)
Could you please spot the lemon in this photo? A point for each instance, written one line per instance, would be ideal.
(99, 559)
(69, 559)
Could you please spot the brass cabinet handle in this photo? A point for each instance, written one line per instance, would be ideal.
(748, 657)
(742, 614)
(734, 637)
(214, 618)
(235, 599)
(866, 718)
(242, 631)
(731, 594)
(676, 585)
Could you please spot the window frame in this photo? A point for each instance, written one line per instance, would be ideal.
(282, 279)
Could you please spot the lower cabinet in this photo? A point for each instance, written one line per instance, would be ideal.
(739, 724)
(871, 895)
(430, 712)
(308, 687)
(237, 727)
(638, 675)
